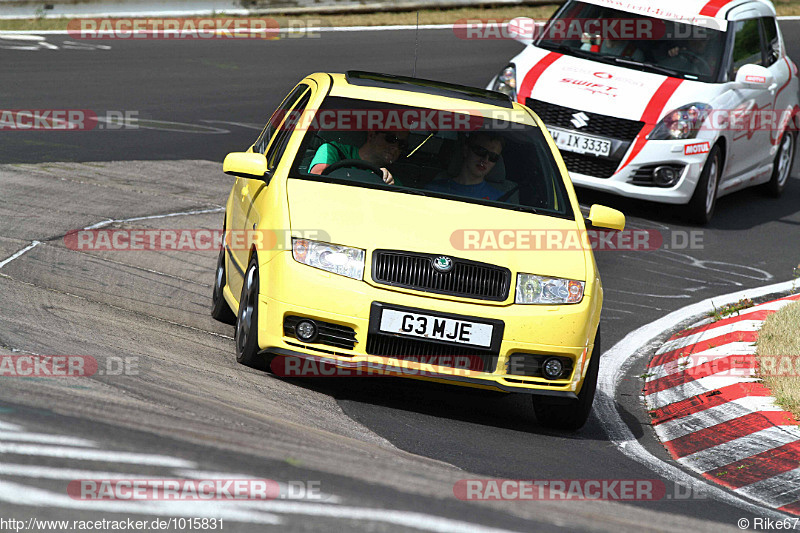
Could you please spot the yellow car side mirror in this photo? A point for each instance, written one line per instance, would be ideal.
(601, 216)
(245, 165)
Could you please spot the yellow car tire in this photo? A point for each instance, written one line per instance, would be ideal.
(571, 415)
(246, 337)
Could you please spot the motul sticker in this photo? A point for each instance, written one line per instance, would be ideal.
(756, 79)
(698, 148)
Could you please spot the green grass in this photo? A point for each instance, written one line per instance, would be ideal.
(729, 309)
(778, 356)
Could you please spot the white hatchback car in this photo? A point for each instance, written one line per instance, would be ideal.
(677, 102)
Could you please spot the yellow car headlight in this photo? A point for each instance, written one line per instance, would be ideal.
(341, 260)
(533, 289)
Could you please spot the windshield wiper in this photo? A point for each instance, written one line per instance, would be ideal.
(570, 50)
(633, 63)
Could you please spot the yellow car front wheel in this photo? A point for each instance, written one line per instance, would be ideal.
(220, 310)
(247, 319)
(561, 413)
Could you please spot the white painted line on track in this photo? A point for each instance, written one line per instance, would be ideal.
(50, 472)
(45, 438)
(31, 246)
(103, 223)
(95, 455)
(679, 427)
(153, 217)
(226, 509)
(741, 448)
(5, 426)
(615, 364)
(199, 474)
(778, 490)
(17, 494)
(407, 519)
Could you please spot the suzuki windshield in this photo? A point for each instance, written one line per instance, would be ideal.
(668, 47)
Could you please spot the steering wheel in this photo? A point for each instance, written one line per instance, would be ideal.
(355, 163)
(526, 185)
(697, 59)
(506, 195)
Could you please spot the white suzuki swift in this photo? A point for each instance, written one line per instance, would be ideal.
(678, 102)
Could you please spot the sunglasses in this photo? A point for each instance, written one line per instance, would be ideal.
(482, 152)
(391, 138)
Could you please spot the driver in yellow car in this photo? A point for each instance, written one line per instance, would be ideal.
(382, 148)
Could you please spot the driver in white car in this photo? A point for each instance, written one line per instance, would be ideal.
(691, 55)
(382, 148)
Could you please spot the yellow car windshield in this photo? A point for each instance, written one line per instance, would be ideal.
(455, 155)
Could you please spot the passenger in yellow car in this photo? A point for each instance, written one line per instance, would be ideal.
(481, 153)
(382, 148)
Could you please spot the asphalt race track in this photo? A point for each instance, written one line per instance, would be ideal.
(169, 399)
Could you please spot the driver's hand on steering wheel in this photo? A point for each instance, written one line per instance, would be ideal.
(387, 176)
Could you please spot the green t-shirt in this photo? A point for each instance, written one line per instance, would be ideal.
(327, 154)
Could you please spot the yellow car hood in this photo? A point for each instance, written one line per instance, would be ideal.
(380, 219)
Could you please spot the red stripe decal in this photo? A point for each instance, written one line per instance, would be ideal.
(707, 344)
(526, 87)
(761, 314)
(758, 467)
(712, 8)
(736, 364)
(651, 114)
(775, 101)
(726, 432)
(793, 508)
(707, 400)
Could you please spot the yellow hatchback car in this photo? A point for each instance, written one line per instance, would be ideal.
(408, 227)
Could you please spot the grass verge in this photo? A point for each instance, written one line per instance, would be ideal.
(778, 356)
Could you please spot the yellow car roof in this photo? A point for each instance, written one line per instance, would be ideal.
(423, 93)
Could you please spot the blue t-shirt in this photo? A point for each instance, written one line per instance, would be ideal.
(480, 190)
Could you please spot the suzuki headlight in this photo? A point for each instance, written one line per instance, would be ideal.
(682, 123)
(506, 82)
(341, 260)
(533, 289)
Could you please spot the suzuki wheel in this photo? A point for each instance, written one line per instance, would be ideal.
(701, 206)
(782, 167)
